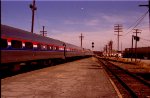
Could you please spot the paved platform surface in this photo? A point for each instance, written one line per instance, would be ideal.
(79, 79)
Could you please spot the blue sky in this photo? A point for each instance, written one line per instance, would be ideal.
(66, 20)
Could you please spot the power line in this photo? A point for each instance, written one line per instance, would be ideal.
(140, 20)
(145, 39)
(137, 22)
(148, 5)
(143, 43)
(37, 16)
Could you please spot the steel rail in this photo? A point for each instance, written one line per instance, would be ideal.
(132, 91)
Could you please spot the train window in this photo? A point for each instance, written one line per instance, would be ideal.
(56, 48)
(68, 49)
(49, 47)
(53, 48)
(16, 44)
(39, 46)
(34, 46)
(28, 45)
(3, 43)
(61, 48)
(44, 47)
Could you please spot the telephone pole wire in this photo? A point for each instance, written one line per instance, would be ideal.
(118, 29)
(43, 32)
(148, 5)
(33, 8)
(81, 37)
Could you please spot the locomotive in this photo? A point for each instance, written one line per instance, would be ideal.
(20, 46)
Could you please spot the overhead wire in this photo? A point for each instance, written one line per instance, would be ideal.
(137, 22)
(145, 39)
(144, 43)
(37, 16)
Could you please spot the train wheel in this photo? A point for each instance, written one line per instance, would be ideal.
(16, 68)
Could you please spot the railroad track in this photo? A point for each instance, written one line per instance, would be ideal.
(135, 86)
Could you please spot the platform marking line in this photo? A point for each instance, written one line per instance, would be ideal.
(113, 84)
(116, 89)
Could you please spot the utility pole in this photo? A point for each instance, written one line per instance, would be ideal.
(81, 37)
(64, 50)
(132, 48)
(43, 32)
(148, 5)
(118, 29)
(33, 8)
(106, 50)
(136, 38)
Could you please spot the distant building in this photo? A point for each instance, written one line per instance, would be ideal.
(99, 53)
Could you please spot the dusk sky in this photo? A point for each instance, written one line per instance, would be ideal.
(66, 20)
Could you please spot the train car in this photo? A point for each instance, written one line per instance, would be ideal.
(21, 46)
(141, 52)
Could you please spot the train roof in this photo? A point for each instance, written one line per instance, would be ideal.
(11, 32)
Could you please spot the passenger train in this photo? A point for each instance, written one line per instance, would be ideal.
(19, 46)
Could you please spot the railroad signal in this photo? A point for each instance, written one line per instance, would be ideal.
(92, 44)
(136, 38)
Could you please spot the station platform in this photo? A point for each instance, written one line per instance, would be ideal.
(83, 78)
